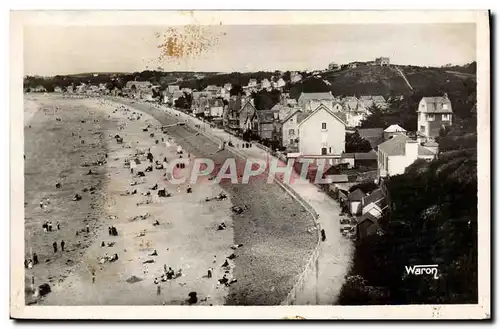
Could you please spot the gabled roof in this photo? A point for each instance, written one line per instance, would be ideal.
(290, 115)
(435, 104)
(316, 96)
(395, 145)
(367, 217)
(394, 129)
(367, 97)
(247, 102)
(356, 195)
(341, 117)
(376, 196)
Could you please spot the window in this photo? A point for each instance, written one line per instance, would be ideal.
(291, 120)
(422, 129)
(323, 125)
(330, 150)
(323, 151)
(291, 132)
(291, 140)
(445, 106)
(446, 117)
(430, 117)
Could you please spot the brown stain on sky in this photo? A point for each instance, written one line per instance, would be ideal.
(189, 41)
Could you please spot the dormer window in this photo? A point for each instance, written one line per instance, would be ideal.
(430, 117)
(445, 106)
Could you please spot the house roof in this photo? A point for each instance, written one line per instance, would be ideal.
(267, 115)
(365, 97)
(337, 178)
(290, 114)
(378, 99)
(247, 102)
(423, 151)
(177, 93)
(431, 144)
(235, 104)
(435, 104)
(215, 102)
(375, 196)
(395, 145)
(350, 99)
(367, 217)
(374, 135)
(394, 128)
(316, 96)
(356, 195)
(212, 88)
(372, 155)
(339, 116)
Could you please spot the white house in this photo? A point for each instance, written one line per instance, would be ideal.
(434, 113)
(397, 153)
(322, 132)
(393, 130)
(265, 84)
(290, 129)
(280, 83)
(311, 101)
(374, 203)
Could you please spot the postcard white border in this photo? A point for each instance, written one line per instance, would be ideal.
(20, 19)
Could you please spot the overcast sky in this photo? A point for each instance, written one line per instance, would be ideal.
(68, 50)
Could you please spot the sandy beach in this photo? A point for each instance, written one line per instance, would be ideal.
(185, 239)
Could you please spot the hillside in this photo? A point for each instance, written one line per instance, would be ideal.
(367, 80)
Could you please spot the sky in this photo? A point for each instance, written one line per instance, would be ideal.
(51, 50)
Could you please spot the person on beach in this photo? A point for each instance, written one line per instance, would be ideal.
(323, 235)
(150, 157)
(109, 230)
(54, 245)
(45, 227)
(88, 228)
(41, 204)
(93, 275)
(209, 272)
(215, 259)
(49, 226)
(62, 245)
(133, 165)
(58, 226)
(35, 258)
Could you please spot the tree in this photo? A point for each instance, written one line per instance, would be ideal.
(236, 90)
(355, 143)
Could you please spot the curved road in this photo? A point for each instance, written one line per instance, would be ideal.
(323, 284)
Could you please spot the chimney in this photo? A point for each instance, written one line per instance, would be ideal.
(411, 149)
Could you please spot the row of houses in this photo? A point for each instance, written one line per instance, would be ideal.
(380, 61)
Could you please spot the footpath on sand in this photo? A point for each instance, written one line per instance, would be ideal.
(322, 286)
